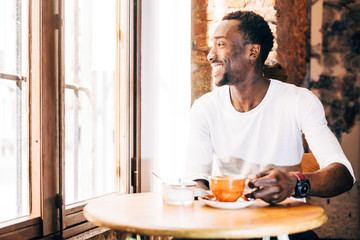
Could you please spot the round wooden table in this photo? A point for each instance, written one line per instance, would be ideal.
(146, 214)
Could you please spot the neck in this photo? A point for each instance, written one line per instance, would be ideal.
(247, 94)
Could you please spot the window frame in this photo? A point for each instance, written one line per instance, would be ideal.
(49, 216)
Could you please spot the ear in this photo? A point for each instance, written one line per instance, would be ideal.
(253, 52)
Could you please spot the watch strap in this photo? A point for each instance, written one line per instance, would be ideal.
(302, 187)
(299, 175)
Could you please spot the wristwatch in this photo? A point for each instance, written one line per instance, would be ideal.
(302, 188)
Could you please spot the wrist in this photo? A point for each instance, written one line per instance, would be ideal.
(293, 180)
(302, 187)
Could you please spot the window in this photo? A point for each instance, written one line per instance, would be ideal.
(68, 85)
(14, 112)
(90, 64)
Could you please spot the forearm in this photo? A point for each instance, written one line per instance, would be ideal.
(202, 183)
(274, 186)
(330, 181)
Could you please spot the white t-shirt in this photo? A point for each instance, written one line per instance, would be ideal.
(245, 143)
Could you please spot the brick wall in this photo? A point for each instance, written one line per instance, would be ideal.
(200, 68)
(292, 37)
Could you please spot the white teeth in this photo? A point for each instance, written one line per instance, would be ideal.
(217, 67)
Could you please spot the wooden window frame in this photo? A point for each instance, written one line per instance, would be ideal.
(49, 216)
(127, 112)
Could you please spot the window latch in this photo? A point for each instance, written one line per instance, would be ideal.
(58, 21)
(58, 201)
(134, 174)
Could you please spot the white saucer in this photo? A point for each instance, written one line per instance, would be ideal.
(240, 203)
(199, 192)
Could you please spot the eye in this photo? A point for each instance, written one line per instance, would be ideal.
(220, 44)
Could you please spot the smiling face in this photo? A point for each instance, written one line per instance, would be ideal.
(228, 56)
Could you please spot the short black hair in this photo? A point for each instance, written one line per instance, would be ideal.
(255, 29)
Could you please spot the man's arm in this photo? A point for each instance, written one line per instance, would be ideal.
(199, 152)
(274, 186)
(330, 181)
(202, 183)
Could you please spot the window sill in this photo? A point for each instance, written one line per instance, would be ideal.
(98, 233)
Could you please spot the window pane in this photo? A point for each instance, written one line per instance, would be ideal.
(90, 51)
(13, 40)
(14, 185)
(14, 165)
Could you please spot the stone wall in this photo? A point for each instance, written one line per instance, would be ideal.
(338, 86)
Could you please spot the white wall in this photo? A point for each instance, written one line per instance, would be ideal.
(166, 81)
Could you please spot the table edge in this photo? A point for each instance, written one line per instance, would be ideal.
(208, 233)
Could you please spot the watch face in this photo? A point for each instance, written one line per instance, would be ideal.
(303, 188)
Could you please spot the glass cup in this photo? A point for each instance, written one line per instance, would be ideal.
(179, 194)
(227, 188)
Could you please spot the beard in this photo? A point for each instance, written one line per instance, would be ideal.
(227, 79)
(231, 75)
(223, 81)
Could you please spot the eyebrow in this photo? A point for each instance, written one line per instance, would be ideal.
(217, 37)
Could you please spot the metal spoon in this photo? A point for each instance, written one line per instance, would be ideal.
(158, 177)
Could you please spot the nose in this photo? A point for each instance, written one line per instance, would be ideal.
(212, 54)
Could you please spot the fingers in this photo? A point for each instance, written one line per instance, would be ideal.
(272, 194)
(265, 178)
(254, 179)
(264, 173)
(271, 185)
(266, 191)
(266, 181)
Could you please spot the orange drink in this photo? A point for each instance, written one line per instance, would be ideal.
(227, 188)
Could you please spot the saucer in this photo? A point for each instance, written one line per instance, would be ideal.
(240, 203)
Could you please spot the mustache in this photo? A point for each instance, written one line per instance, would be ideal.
(216, 61)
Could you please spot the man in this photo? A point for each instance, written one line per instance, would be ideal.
(253, 126)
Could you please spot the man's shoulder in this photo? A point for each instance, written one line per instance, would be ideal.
(290, 95)
(211, 102)
(213, 96)
(289, 89)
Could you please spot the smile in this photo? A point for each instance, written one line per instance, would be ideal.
(217, 69)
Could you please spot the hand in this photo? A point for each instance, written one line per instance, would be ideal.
(272, 186)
